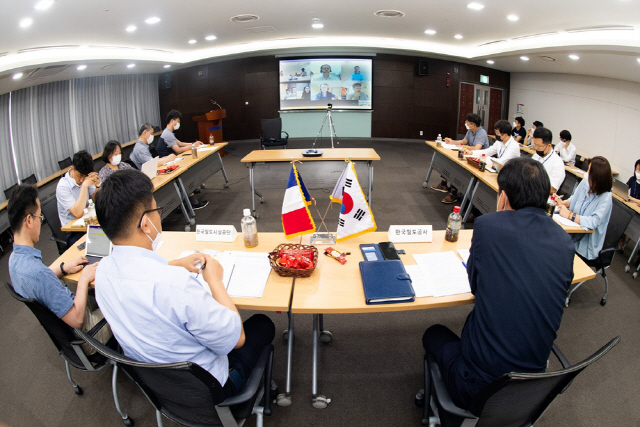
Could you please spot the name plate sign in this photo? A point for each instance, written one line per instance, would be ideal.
(411, 233)
(215, 233)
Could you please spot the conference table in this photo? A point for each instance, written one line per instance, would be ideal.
(172, 190)
(290, 155)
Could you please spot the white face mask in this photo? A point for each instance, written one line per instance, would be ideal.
(176, 126)
(115, 160)
(498, 204)
(467, 126)
(150, 139)
(638, 176)
(154, 242)
(515, 125)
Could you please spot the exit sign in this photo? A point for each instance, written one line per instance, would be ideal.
(484, 79)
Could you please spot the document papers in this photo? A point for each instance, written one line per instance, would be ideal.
(565, 221)
(245, 273)
(440, 274)
(450, 146)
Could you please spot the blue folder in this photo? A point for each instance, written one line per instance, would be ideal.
(386, 282)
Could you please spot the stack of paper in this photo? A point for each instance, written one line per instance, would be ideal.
(565, 221)
(450, 146)
(438, 274)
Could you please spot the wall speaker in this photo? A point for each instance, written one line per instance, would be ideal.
(165, 81)
(423, 67)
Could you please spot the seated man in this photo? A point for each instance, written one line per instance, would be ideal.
(74, 190)
(32, 279)
(529, 137)
(566, 150)
(158, 311)
(518, 303)
(519, 133)
(141, 154)
(551, 161)
(505, 147)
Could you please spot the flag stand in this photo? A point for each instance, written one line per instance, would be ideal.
(320, 238)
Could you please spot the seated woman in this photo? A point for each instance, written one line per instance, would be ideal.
(590, 206)
(112, 157)
(634, 185)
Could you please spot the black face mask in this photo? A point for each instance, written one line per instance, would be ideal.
(540, 153)
(498, 138)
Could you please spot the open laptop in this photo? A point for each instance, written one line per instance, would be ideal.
(98, 244)
(620, 189)
(150, 168)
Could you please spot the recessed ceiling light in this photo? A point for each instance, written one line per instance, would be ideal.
(512, 18)
(524, 58)
(152, 20)
(43, 4)
(131, 28)
(193, 41)
(81, 67)
(131, 65)
(26, 22)
(475, 6)
(490, 61)
(430, 32)
(638, 59)
(167, 66)
(458, 36)
(574, 57)
(17, 76)
(211, 37)
(317, 25)
(389, 13)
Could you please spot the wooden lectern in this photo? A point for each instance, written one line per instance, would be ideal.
(210, 123)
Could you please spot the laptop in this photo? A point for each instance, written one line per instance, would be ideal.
(150, 168)
(98, 244)
(620, 189)
(497, 164)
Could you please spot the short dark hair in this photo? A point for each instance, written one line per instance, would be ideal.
(544, 134)
(526, 183)
(503, 126)
(109, 149)
(22, 202)
(538, 124)
(637, 163)
(121, 201)
(600, 177)
(82, 162)
(173, 114)
(520, 120)
(565, 134)
(356, 84)
(326, 65)
(145, 127)
(474, 118)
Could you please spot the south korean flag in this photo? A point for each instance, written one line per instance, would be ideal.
(355, 216)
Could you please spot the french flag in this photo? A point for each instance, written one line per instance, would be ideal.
(296, 218)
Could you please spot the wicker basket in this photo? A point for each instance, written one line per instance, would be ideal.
(473, 162)
(292, 272)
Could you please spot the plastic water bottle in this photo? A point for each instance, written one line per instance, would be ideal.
(86, 217)
(453, 225)
(211, 138)
(93, 216)
(483, 163)
(249, 229)
(439, 139)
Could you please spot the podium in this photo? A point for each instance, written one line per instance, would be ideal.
(210, 123)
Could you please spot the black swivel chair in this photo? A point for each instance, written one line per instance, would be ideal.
(272, 134)
(65, 163)
(31, 179)
(621, 216)
(513, 400)
(70, 348)
(50, 212)
(9, 191)
(189, 395)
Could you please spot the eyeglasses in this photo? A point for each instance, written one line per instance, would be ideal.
(41, 216)
(159, 210)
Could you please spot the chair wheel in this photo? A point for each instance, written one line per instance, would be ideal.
(226, 185)
(603, 302)
(320, 402)
(425, 184)
(192, 221)
(187, 228)
(566, 303)
(326, 336)
(285, 335)
(627, 268)
(634, 275)
(78, 390)
(283, 400)
(128, 421)
(261, 199)
(255, 215)
(419, 400)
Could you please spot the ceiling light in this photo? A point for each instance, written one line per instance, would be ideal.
(490, 61)
(17, 76)
(131, 65)
(211, 37)
(389, 13)
(430, 32)
(475, 6)
(167, 66)
(512, 18)
(43, 4)
(317, 25)
(638, 59)
(458, 36)
(574, 57)
(524, 58)
(131, 28)
(152, 20)
(193, 41)
(26, 22)
(81, 67)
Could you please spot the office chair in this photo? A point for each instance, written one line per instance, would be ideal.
(50, 212)
(621, 216)
(65, 163)
(578, 161)
(69, 346)
(31, 179)
(272, 134)
(514, 399)
(9, 191)
(189, 395)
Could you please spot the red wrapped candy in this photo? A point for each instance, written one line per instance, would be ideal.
(298, 259)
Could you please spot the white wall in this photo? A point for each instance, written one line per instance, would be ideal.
(603, 115)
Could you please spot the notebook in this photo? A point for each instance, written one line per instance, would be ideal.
(150, 168)
(386, 282)
(98, 244)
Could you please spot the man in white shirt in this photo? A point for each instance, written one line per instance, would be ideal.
(566, 150)
(505, 147)
(552, 163)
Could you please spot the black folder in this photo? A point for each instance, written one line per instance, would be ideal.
(386, 282)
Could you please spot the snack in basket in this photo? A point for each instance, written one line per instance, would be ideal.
(295, 258)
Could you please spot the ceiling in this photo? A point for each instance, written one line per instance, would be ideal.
(604, 34)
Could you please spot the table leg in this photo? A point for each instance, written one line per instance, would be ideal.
(468, 211)
(190, 221)
(466, 193)
(317, 400)
(185, 196)
(284, 399)
(224, 173)
(370, 182)
(426, 180)
(253, 199)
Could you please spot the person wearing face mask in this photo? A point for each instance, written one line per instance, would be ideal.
(505, 147)
(519, 133)
(552, 163)
(634, 185)
(518, 304)
(112, 158)
(141, 153)
(158, 311)
(168, 143)
(530, 132)
(566, 150)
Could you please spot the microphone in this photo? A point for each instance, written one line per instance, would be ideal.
(214, 103)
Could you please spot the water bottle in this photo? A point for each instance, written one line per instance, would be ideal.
(483, 163)
(211, 138)
(453, 225)
(249, 229)
(93, 216)
(86, 217)
(439, 140)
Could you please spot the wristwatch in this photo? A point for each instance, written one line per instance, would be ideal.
(573, 216)
(62, 268)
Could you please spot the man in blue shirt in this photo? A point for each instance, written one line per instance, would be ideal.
(141, 153)
(357, 75)
(518, 303)
(157, 310)
(32, 279)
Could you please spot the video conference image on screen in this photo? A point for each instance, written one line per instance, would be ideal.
(314, 83)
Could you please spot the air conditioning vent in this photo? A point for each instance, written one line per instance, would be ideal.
(41, 48)
(389, 14)
(493, 42)
(265, 29)
(245, 18)
(602, 28)
(110, 47)
(106, 67)
(46, 71)
(531, 36)
(547, 58)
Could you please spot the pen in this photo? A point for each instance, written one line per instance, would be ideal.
(463, 264)
(201, 268)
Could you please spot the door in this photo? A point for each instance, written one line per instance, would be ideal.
(485, 101)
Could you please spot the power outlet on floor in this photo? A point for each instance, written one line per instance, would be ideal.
(421, 133)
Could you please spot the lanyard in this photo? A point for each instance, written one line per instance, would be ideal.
(548, 157)
(583, 208)
(503, 149)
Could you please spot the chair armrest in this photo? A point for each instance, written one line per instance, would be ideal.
(286, 134)
(93, 331)
(253, 382)
(561, 357)
(442, 394)
(55, 239)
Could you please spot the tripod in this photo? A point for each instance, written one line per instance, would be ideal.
(332, 129)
